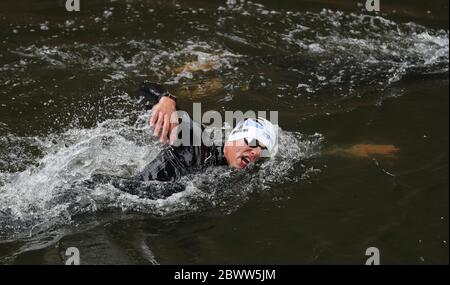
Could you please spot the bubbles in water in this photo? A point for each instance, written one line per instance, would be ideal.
(295, 55)
(333, 52)
(52, 188)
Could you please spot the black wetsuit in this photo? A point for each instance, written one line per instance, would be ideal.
(172, 162)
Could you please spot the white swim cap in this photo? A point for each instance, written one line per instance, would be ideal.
(260, 129)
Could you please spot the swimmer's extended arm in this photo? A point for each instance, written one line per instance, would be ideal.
(364, 150)
(164, 118)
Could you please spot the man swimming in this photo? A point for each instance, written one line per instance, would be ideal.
(251, 140)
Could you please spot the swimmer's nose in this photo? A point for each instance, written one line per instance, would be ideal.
(254, 154)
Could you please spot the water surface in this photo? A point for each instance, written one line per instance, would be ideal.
(337, 74)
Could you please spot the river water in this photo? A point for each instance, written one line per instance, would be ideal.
(337, 74)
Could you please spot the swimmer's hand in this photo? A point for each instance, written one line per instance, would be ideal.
(164, 119)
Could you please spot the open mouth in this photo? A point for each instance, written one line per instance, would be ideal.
(245, 160)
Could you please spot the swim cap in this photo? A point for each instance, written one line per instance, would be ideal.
(260, 129)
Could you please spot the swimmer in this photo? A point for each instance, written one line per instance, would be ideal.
(250, 141)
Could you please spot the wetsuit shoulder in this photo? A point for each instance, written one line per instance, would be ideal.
(184, 157)
(171, 164)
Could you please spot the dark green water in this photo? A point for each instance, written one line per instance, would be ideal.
(337, 74)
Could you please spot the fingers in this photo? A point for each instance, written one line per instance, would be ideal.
(165, 130)
(163, 119)
(158, 124)
(173, 127)
(173, 134)
(153, 118)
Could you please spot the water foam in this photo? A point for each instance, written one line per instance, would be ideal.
(50, 190)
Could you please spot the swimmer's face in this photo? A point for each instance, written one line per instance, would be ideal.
(239, 155)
